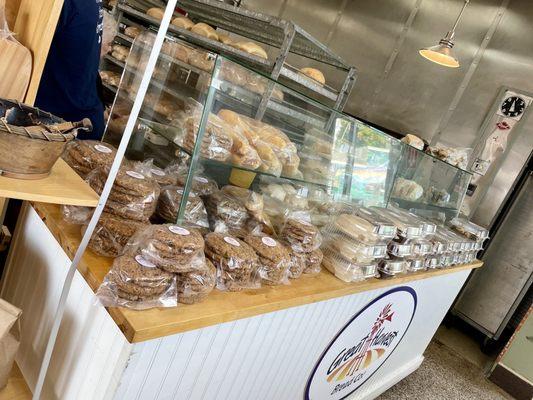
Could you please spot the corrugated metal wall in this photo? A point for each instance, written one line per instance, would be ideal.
(399, 90)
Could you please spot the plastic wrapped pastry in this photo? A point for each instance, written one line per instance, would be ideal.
(84, 156)
(136, 283)
(169, 203)
(236, 262)
(274, 259)
(345, 270)
(301, 235)
(194, 287)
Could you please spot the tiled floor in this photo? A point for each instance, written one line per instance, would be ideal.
(452, 370)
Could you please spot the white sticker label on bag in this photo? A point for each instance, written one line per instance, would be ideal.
(135, 174)
(179, 230)
(144, 262)
(200, 179)
(268, 241)
(158, 172)
(231, 241)
(102, 149)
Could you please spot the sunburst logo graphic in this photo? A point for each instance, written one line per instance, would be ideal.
(366, 355)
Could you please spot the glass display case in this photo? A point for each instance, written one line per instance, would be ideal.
(212, 119)
(428, 186)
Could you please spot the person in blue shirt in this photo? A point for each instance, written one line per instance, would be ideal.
(70, 85)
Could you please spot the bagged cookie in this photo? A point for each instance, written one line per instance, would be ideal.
(202, 185)
(112, 233)
(300, 234)
(313, 262)
(134, 195)
(216, 141)
(172, 248)
(195, 286)
(298, 263)
(169, 204)
(83, 156)
(136, 283)
(236, 262)
(225, 212)
(76, 215)
(274, 259)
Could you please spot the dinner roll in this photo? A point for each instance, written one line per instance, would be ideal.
(156, 13)
(183, 22)
(252, 48)
(205, 30)
(314, 74)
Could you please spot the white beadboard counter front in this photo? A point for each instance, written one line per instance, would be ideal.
(318, 338)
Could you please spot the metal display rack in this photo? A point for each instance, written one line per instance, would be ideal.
(275, 32)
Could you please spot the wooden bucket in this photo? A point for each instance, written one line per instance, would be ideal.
(32, 140)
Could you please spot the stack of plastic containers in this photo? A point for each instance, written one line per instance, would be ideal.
(354, 244)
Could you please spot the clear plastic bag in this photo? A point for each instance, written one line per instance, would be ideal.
(407, 189)
(76, 215)
(300, 234)
(112, 234)
(136, 283)
(173, 248)
(274, 259)
(169, 203)
(313, 262)
(298, 263)
(84, 156)
(194, 287)
(202, 185)
(236, 262)
(225, 212)
(134, 195)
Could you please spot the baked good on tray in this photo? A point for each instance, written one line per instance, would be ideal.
(236, 262)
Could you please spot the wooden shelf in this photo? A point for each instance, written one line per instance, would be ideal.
(62, 186)
(219, 307)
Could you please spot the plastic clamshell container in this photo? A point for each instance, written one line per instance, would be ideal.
(446, 260)
(416, 264)
(393, 266)
(439, 243)
(400, 250)
(346, 270)
(354, 227)
(469, 229)
(432, 262)
(382, 226)
(422, 247)
(408, 227)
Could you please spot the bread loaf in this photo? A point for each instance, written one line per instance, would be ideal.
(314, 74)
(252, 48)
(205, 30)
(156, 13)
(183, 22)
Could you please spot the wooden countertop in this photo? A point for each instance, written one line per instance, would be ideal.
(219, 307)
(62, 186)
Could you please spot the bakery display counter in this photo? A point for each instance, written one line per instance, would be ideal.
(219, 307)
(233, 343)
(62, 186)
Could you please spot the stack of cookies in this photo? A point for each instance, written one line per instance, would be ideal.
(84, 156)
(274, 259)
(216, 143)
(195, 286)
(236, 262)
(133, 196)
(226, 214)
(162, 177)
(304, 239)
(169, 204)
(112, 234)
(201, 184)
(137, 283)
(171, 248)
(298, 263)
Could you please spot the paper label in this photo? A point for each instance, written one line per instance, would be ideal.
(102, 149)
(179, 230)
(268, 241)
(145, 263)
(200, 179)
(158, 172)
(231, 241)
(135, 174)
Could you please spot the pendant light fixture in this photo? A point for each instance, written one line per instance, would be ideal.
(443, 53)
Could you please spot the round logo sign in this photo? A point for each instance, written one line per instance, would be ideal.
(362, 346)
